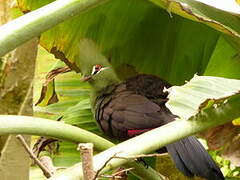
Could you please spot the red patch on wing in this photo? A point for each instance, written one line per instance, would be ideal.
(135, 132)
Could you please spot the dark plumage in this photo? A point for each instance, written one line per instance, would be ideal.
(137, 105)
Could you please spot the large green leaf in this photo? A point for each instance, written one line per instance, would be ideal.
(201, 92)
(144, 36)
(219, 19)
(61, 10)
(225, 60)
(223, 18)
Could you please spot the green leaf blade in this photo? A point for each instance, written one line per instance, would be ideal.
(186, 100)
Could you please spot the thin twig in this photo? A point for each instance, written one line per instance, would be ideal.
(119, 172)
(86, 151)
(116, 174)
(108, 176)
(127, 157)
(104, 165)
(45, 171)
(48, 163)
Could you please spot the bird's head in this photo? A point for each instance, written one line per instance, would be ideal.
(95, 67)
(100, 77)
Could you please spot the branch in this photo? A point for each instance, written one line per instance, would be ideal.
(45, 170)
(118, 173)
(48, 163)
(12, 124)
(103, 166)
(86, 151)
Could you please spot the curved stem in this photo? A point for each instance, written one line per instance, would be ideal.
(10, 124)
(32, 24)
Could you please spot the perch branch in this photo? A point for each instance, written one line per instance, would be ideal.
(46, 172)
(86, 151)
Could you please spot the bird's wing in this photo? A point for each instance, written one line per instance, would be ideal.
(125, 114)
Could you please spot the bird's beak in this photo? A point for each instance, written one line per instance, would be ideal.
(86, 78)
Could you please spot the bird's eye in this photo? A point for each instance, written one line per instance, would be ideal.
(96, 68)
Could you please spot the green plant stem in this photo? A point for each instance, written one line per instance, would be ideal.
(10, 124)
(32, 24)
(145, 143)
(157, 138)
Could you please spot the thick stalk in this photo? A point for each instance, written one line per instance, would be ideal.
(10, 124)
(34, 23)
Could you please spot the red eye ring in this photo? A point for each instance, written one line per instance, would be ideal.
(97, 66)
(96, 69)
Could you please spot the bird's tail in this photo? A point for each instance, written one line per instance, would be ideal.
(192, 159)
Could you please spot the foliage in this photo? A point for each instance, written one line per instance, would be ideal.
(208, 65)
(139, 37)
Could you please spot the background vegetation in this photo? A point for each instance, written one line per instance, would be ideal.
(171, 39)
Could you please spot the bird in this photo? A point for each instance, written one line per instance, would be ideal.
(126, 108)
